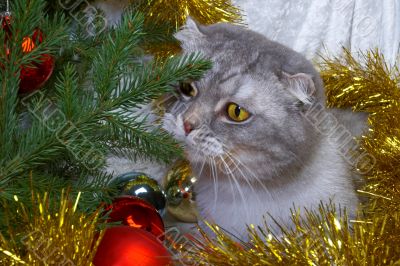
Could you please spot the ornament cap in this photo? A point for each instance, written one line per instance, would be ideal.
(143, 186)
(5, 14)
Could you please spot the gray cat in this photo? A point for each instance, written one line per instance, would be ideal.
(246, 132)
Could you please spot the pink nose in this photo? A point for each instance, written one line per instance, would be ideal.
(187, 127)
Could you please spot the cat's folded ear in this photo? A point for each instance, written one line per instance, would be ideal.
(190, 34)
(301, 86)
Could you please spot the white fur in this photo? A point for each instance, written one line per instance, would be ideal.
(301, 86)
(233, 202)
(327, 167)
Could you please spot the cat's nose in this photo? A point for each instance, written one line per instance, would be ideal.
(188, 127)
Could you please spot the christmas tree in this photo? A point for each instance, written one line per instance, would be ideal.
(56, 133)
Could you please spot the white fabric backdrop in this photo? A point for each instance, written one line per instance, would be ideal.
(310, 26)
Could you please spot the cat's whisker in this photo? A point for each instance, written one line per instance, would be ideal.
(215, 179)
(238, 163)
(245, 177)
(201, 168)
(230, 173)
(196, 157)
(231, 184)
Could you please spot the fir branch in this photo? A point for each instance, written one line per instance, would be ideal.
(53, 136)
(68, 93)
(151, 81)
(115, 54)
(131, 139)
(8, 115)
(97, 188)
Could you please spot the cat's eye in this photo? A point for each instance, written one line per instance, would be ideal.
(237, 113)
(187, 89)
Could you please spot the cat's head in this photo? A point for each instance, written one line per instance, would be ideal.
(250, 106)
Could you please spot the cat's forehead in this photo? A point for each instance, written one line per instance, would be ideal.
(250, 91)
(242, 68)
(233, 50)
(234, 83)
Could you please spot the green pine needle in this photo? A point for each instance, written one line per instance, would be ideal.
(60, 136)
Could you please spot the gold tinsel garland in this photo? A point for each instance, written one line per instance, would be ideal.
(374, 87)
(175, 12)
(51, 233)
(367, 85)
(172, 14)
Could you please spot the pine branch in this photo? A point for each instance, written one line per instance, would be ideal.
(68, 94)
(131, 139)
(115, 54)
(27, 16)
(78, 127)
(97, 188)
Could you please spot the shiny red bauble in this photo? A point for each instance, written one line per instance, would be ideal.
(129, 246)
(137, 213)
(34, 75)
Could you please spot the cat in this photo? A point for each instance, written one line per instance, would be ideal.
(245, 131)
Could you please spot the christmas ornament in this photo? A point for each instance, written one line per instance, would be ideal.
(127, 246)
(142, 186)
(180, 192)
(325, 236)
(137, 213)
(34, 75)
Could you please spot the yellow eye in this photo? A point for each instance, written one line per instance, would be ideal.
(237, 113)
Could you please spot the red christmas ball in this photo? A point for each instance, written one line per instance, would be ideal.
(137, 213)
(34, 75)
(128, 246)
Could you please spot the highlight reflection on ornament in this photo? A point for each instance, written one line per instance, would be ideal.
(142, 186)
(27, 44)
(180, 184)
(179, 189)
